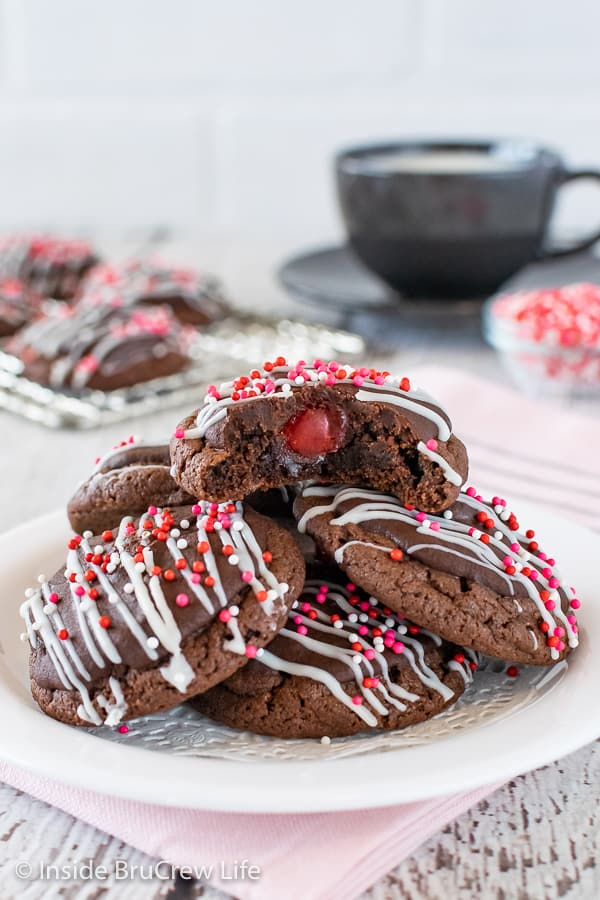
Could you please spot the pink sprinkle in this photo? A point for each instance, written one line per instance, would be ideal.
(420, 517)
(547, 573)
(550, 604)
(398, 647)
(302, 629)
(195, 578)
(369, 653)
(333, 366)
(123, 729)
(575, 603)
(79, 591)
(434, 526)
(559, 631)
(53, 597)
(551, 561)
(357, 700)
(571, 619)
(247, 576)
(224, 615)
(196, 509)
(152, 510)
(363, 630)
(321, 598)
(182, 600)
(553, 582)
(250, 651)
(507, 560)
(471, 492)
(297, 620)
(305, 607)
(390, 633)
(350, 586)
(432, 444)
(533, 575)
(560, 646)
(515, 547)
(379, 379)
(358, 380)
(179, 433)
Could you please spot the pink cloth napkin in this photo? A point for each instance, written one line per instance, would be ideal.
(335, 856)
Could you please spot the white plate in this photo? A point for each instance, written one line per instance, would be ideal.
(501, 727)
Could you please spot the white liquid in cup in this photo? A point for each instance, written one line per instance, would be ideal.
(442, 162)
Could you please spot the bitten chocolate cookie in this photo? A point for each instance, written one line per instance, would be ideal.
(122, 483)
(195, 298)
(162, 608)
(326, 422)
(50, 266)
(470, 574)
(101, 348)
(18, 306)
(343, 663)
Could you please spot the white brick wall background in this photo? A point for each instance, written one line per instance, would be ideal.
(222, 117)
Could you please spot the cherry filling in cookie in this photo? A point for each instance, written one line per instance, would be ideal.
(326, 422)
(315, 431)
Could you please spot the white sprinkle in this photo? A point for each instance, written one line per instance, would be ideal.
(325, 740)
(353, 617)
(234, 610)
(99, 549)
(152, 642)
(260, 651)
(41, 579)
(49, 608)
(286, 389)
(140, 567)
(447, 513)
(173, 471)
(363, 617)
(184, 524)
(389, 623)
(29, 592)
(85, 606)
(233, 560)
(357, 660)
(128, 588)
(36, 626)
(175, 532)
(237, 526)
(114, 599)
(338, 623)
(88, 534)
(217, 526)
(299, 379)
(23, 636)
(498, 535)
(372, 601)
(182, 544)
(111, 567)
(283, 587)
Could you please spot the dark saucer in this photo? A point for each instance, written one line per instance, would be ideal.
(335, 279)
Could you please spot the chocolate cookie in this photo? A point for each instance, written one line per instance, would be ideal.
(122, 483)
(18, 305)
(470, 574)
(326, 422)
(50, 266)
(343, 663)
(101, 348)
(195, 298)
(158, 610)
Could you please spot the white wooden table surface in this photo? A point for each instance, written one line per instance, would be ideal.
(537, 837)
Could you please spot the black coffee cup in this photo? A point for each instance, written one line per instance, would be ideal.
(452, 218)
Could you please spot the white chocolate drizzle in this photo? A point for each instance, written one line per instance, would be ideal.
(378, 698)
(142, 604)
(448, 536)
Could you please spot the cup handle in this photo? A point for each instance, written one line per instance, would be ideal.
(585, 242)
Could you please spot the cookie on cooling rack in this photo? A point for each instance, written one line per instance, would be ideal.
(50, 266)
(326, 422)
(100, 348)
(147, 615)
(195, 298)
(344, 663)
(469, 574)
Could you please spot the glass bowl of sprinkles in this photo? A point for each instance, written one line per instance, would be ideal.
(549, 339)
